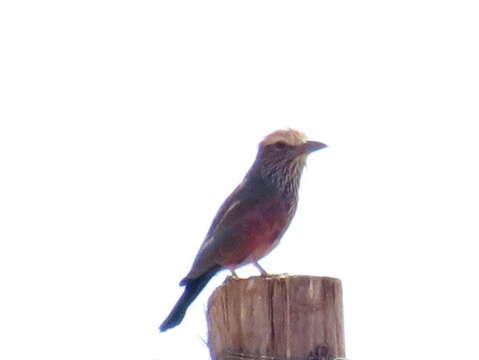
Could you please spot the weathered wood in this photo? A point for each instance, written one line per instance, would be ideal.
(277, 317)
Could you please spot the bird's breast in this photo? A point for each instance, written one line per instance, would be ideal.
(255, 235)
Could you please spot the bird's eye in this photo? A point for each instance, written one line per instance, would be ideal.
(280, 145)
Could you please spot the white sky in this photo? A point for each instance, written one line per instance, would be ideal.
(125, 124)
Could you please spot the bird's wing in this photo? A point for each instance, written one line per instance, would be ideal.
(228, 205)
(243, 208)
(205, 257)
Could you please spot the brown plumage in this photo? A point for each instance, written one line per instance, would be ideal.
(253, 218)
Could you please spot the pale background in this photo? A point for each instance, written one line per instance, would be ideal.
(124, 125)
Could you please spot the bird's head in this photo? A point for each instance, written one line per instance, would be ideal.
(282, 156)
(287, 145)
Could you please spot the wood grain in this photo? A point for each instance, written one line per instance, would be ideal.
(277, 317)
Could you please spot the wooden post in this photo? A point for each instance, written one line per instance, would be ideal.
(277, 317)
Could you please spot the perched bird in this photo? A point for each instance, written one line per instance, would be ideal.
(253, 218)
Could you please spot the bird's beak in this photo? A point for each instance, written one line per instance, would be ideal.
(310, 146)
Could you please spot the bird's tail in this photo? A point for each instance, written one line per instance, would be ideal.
(192, 289)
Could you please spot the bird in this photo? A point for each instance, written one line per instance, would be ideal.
(252, 220)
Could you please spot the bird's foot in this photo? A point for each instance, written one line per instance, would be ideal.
(274, 276)
(233, 276)
(261, 270)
